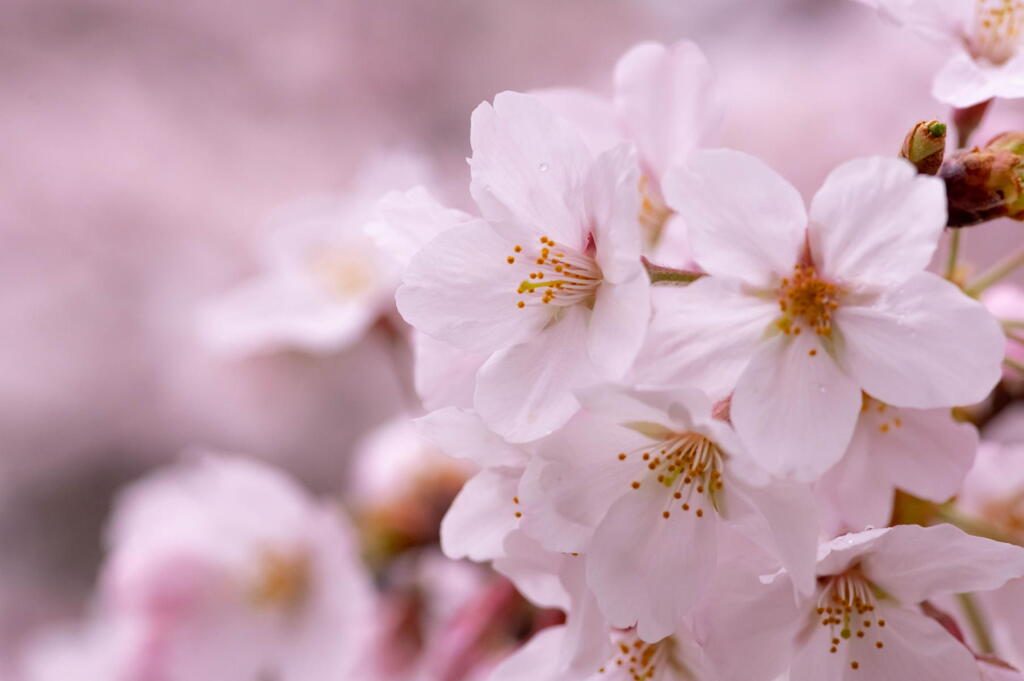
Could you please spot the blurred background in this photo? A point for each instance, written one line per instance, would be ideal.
(144, 147)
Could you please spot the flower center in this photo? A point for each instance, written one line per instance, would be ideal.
(805, 299)
(653, 212)
(997, 29)
(637, 660)
(562, 276)
(342, 274)
(689, 466)
(283, 581)
(847, 607)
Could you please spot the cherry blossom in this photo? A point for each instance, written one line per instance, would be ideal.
(646, 479)
(864, 619)
(985, 37)
(322, 281)
(664, 102)
(921, 451)
(231, 571)
(549, 285)
(802, 312)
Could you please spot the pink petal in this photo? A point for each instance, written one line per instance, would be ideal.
(612, 204)
(619, 323)
(665, 100)
(876, 222)
(481, 516)
(795, 412)
(745, 221)
(965, 81)
(462, 433)
(924, 344)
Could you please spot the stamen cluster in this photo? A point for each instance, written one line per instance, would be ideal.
(689, 465)
(847, 608)
(563, 276)
(805, 296)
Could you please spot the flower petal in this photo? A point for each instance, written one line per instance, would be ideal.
(539, 660)
(923, 344)
(534, 571)
(406, 221)
(526, 392)
(481, 516)
(876, 221)
(460, 289)
(964, 81)
(613, 204)
(618, 324)
(445, 375)
(665, 100)
(854, 493)
(702, 335)
(795, 412)
(678, 555)
(916, 563)
(745, 221)
(462, 433)
(592, 115)
(529, 167)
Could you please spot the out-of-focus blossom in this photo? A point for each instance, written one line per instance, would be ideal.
(865, 616)
(986, 37)
(323, 281)
(550, 287)
(804, 311)
(664, 103)
(921, 451)
(994, 493)
(647, 479)
(230, 571)
(1006, 302)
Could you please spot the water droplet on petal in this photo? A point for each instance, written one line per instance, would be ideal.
(543, 167)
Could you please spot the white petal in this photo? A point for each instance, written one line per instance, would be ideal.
(481, 516)
(526, 392)
(534, 571)
(916, 563)
(529, 167)
(964, 81)
(462, 433)
(745, 221)
(539, 660)
(445, 375)
(406, 221)
(613, 203)
(923, 344)
(592, 115)
(678, 555)
(856, 492)
(795, 412)
(460, 289)
(665, 99)
(703, 335)
(945, 21)
(619, 323)
(876, 221)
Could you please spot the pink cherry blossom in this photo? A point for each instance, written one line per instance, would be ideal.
(665, 103)
(231, 571)
(864, 621)
(549, 285)
(323, 280)
(921, 451)
(646, 480)
(984, 36)
(802, 312)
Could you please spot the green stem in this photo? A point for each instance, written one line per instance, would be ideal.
(976, 620)
(954, 254)
(997, 272)
(668, 276)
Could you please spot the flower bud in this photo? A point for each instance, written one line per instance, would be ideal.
(925, 145)
(985, 184)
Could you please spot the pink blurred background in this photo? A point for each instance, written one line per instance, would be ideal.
(143, 145)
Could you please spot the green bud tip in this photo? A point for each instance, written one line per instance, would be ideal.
(937, 129)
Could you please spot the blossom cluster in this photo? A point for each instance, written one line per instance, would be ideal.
(672, 421)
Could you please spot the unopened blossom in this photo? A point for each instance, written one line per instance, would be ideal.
(985, 38)
(925, 452)
(639, 483)
(665, 103)
(864, 619)
(232, 572)
(322, 277)
(548, 285)
(804, 311)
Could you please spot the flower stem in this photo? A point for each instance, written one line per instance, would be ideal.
(979, 528)
(997, 272)
(954, 254)
(668, 276)
(976, 621)
(1014, 364)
